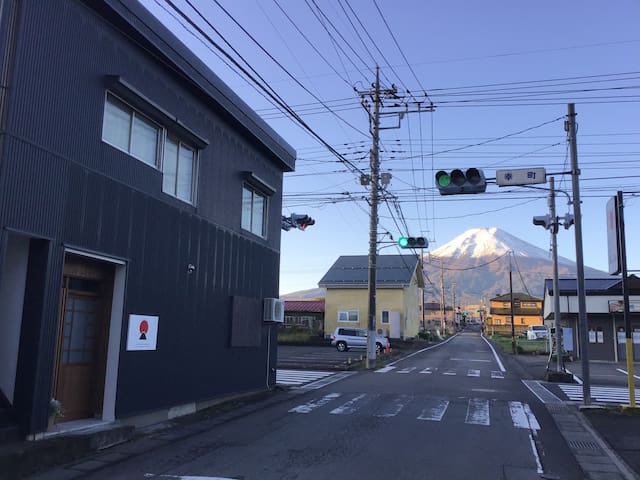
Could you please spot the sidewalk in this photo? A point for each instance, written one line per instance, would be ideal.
(605, 441)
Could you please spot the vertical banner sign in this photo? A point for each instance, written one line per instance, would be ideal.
(143, 332)
(612, 236)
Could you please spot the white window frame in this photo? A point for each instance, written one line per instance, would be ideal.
(163, 137)
(248, 224)
(349, 314)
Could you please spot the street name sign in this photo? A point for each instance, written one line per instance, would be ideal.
(520, 176)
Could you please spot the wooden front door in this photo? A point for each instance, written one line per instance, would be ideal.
(82, 337)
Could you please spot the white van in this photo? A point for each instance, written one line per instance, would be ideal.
(534, 332)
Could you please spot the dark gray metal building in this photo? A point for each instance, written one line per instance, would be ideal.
(140, 205)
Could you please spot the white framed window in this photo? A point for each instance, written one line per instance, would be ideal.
(130, 131)
(348, 316)
(254, 211)
(384, 316)
(178, 169)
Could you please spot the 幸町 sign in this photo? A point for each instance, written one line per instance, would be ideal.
(143, 332)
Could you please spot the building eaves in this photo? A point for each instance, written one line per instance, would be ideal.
(134, 19)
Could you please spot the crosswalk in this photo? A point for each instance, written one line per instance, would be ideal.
(471, 372)
(299, 377)
(615, 395)
(471, 411)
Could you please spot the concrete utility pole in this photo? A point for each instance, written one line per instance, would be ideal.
(443, 304)
(373, 223)
(556, 281)
(374, 125)
(513, 326)
(570, 128)
(622, 249)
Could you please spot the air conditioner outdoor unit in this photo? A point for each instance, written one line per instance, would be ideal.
(273, 310)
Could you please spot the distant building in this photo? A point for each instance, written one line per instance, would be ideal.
(527, 310)
(399, 284)
(605, 315)
(306, 314)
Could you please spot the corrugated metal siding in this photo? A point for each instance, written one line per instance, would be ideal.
(59, 180)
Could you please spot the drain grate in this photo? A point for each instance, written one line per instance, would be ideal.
(583, 445)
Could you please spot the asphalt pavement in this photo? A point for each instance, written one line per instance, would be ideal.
(605, 441)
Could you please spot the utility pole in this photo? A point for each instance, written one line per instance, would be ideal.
(513, 326)
(556, 281)
(455, 310)
(622, 248)
(374, 180)
(443, 305)
(570, 127)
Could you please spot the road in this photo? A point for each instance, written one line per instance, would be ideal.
(449, 412)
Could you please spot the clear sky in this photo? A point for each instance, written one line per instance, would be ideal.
(499, 73)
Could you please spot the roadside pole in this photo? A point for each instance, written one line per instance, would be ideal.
(622, 248)
(570, 127)
(556, 282)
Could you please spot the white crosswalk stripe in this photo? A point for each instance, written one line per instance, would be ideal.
(407, 370)
(428, 370)
(478, 412)
(471, 411)
(497, 374)
(615, 395)
(473, 373)
(299, 377)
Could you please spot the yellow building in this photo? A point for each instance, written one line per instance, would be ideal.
(399, 284)
(527, 310)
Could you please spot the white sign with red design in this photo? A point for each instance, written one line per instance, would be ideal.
(143, 332)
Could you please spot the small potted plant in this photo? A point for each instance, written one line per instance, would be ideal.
(56, 411)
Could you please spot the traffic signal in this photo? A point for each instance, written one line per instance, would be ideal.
(301, 221)
(547, 222)
(413, 242)
(459, 182)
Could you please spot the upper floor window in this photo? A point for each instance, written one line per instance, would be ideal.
(348, 316)
(254, 211)
(129, 130)
(178, 166)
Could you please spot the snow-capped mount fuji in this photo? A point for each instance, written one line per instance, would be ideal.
(492, 242)
(478, 263)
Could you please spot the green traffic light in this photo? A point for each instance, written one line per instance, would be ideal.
(403, 242)
(443, 179)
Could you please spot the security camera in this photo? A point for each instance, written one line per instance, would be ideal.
(191, 268)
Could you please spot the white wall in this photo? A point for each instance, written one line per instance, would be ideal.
(12, 284)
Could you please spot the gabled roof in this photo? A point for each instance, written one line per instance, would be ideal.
(523, 297)
(353, 271)
(144, 27)
(308, 306)
(594, 286)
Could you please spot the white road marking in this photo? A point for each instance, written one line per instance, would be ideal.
(497, 374)
(576, 378)
(313, 404)
(473, 373)
(186, 477)
(627, 373)
(470, 360)
(323, 382)
(449, 372)
(535, 454)
(619, 395)
(407, 370)
(522, 416)
(298, 377)
(393, 409)
(500, 365)
(478, 412)
(434, 412)
(428, 370)
(426, 349)
(349, 407)
(386, 369)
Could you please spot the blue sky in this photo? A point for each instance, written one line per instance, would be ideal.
(500, 75)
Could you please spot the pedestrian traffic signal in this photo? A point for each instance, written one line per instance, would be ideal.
(459, 182)
(413, 242)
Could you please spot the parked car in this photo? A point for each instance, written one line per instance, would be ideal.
(535, 332)
(345, 338)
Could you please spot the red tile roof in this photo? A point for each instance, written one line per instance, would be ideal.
(314, 306)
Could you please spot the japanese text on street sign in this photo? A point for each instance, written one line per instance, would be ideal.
(521, 176)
